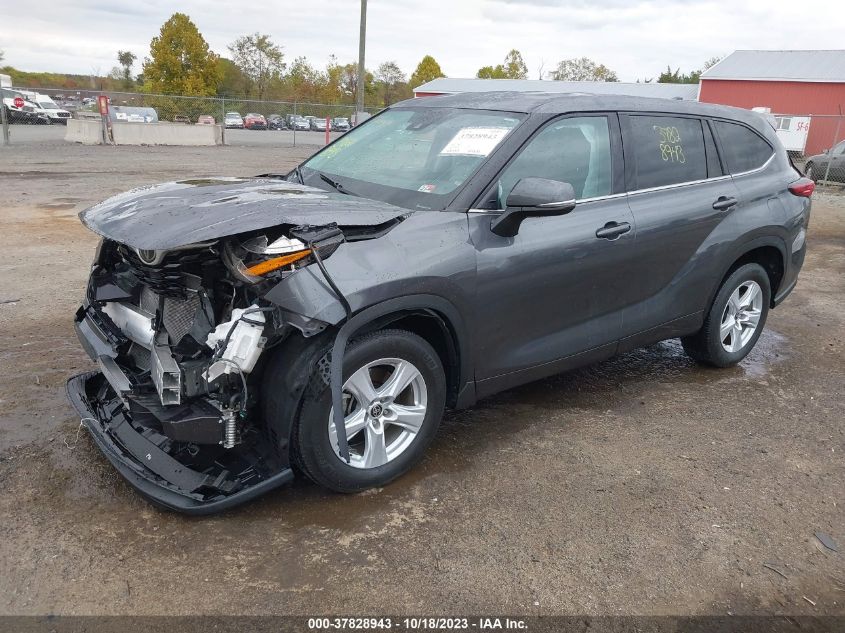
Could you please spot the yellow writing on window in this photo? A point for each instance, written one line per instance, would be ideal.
(671, 149)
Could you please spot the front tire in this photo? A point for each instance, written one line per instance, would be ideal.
(735, 319)
(394, 395)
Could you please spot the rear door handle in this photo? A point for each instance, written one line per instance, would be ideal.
(612, 230)
(723, 203)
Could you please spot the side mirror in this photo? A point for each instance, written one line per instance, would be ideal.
(533, 197)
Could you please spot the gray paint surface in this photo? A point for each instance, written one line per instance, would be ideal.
(180, 213)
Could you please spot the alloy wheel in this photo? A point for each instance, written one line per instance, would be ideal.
(385, 404)
(741, 316)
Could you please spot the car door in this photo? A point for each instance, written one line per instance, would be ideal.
(678, 194)
(555, 291)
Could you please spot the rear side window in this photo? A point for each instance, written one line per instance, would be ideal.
(743, 149)
(666, 150)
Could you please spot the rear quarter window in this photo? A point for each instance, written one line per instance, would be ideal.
(666, 150)
(742, 148)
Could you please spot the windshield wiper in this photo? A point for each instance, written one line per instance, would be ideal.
(340, 188)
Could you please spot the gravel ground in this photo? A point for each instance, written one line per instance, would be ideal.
(642, 485)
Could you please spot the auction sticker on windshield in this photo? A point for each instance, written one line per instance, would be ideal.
(475, 141)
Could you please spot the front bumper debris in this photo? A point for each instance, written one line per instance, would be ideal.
(158, 476)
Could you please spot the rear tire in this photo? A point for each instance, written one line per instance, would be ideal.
(387, 430)
(735, 319)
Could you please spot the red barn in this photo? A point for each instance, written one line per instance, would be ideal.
(787, 82)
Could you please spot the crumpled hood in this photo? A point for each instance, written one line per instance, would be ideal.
(160, 217)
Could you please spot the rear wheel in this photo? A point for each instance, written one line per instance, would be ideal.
(735, 320)
(394, 393)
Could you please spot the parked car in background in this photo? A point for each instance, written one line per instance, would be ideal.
(255, 121)
(324, 320)
(233, 120)
(181, 118)
(340, 124)
(299, 123)
(276, 122)
(309, 118)
(318, 124)
(47, 106)
(205, 119)
(830, 164)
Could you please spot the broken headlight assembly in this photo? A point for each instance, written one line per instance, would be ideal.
(253, 259)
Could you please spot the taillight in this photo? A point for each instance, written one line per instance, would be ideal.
(803, 187)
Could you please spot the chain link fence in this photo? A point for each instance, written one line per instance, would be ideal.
(301, 122)
(816, 143)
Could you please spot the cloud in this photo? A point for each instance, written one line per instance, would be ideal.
(636, 38)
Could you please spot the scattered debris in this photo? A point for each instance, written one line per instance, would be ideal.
(808, 600)
(828, 542)
(775, 569)
(9, 300)
(688, 458)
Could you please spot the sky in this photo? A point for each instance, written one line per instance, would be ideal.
(635, 38)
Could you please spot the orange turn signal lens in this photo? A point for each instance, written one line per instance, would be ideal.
(270, 265)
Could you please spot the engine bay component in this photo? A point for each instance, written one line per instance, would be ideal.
(237, 343)
(134, 324)
(230, 430)
(166, 375)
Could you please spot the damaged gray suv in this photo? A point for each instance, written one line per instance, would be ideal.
(320, 322)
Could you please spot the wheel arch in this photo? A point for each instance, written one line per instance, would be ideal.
(439, 323)
(770, 253)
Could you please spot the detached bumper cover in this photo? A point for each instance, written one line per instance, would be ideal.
(151, 471)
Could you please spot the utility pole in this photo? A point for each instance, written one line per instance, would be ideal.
(362, 38)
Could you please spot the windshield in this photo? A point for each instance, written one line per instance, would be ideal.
(414, 158)
(48, 105)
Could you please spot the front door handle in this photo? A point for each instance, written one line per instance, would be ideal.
(723, 203)
(612, 230)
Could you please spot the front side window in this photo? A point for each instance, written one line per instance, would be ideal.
(743, 149)
(416, 157)
(666, 150)
(839, 149)
(574, 150)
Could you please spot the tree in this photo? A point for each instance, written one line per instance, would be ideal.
(390, 78)
(513, 68)
(180, 62)
(303, 81)
(233, 83)
(427, 70)
(491, 72)
(582, 69)
(259, 59)
(675, 77)
(669, 76)
(126, 59)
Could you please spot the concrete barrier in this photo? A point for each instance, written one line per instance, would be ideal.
(85, 131)
(166, 134)
(88, 132)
